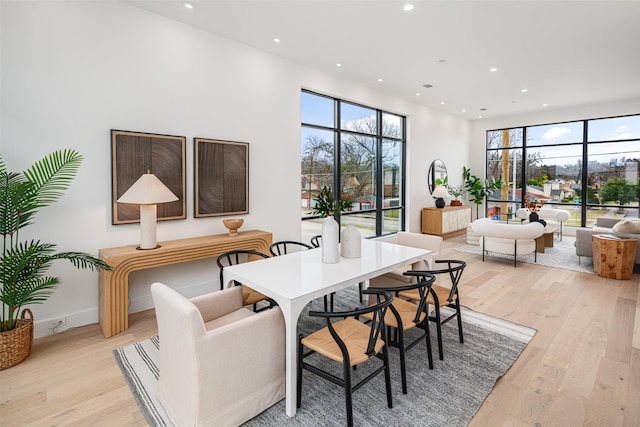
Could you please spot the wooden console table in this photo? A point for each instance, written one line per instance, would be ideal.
(446, 222)
(613, 257)
(114, 285)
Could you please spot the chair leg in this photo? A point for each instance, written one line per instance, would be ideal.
(387, 375)
(403, 365)
(439, 331)
(427, 337)
(360, 287)
(347, 394)
(299, 390)
(459, 320)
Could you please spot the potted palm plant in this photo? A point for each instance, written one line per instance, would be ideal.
(24, 264)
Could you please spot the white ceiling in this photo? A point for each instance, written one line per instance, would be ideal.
(565, 53)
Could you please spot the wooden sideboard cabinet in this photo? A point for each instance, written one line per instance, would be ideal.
(446, 222)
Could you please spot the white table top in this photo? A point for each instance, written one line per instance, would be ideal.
(304, 275)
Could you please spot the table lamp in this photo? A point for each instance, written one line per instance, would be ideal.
(438, 193)
(147, 191)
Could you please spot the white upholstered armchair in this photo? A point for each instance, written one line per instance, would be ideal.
(220, 364)
(414, 240)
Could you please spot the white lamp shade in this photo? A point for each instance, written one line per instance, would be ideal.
(148, 190)
(440, 191)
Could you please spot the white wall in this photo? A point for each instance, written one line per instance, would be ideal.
(72, 71)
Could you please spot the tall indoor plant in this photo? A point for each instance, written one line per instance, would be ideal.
(24, 264)
(479, 189)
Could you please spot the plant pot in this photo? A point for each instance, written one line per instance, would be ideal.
(456, 203)
(15, 345)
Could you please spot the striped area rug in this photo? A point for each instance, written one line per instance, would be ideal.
(448, 395)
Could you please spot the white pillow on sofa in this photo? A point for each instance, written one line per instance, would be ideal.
(627, 226)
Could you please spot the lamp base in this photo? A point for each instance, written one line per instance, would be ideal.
(147, 249)
(440, 203)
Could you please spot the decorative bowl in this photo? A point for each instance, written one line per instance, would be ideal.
(233, 225)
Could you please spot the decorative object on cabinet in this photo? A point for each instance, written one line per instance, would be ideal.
(439, 193)
(23, 276)
(446, 222)
(437, 174)
(133, 154)
(148, 191)
(456, 191)
(221, 177)
(233, 225)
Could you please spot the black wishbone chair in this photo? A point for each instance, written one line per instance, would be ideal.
(316, 241)
(442, 296)
(404, 315)
(249, 296)
(285, 246)
(350, 342)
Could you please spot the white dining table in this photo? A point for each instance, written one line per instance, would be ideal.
(295, 279)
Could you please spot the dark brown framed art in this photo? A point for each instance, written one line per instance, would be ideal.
(135, 153)
(221, 177)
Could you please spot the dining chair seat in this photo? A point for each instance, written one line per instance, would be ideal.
(352, 332)
(406, 311)
(442, 293)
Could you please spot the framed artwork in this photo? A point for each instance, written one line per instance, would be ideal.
(135, 153)
(221, 177)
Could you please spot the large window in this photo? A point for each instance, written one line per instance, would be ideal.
(588, 167)
(358, 150)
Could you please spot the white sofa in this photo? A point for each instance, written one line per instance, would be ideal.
(220, 364)
(509, 239)
(551, 216)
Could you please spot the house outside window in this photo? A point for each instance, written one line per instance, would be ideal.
(358, 150)
(590, 168)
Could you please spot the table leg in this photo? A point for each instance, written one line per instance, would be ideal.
(291, 313)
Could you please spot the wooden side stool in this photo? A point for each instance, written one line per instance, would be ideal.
(613, 257)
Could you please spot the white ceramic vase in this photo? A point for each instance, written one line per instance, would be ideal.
(351, 242)
(330, 231)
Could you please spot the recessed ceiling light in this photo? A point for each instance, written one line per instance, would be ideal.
(417, 93)
(276, 40)
(380, 80)
(493, 70)
(464, 111)
(479, 117)
(483, 109)
(338, 65)
(545, 105)
(441, 102)
(427, 86)
(524, 90)
(189, 5)
(407, 7)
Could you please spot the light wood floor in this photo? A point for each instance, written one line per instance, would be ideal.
(582, 368)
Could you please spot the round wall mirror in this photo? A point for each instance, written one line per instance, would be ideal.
(437, 174)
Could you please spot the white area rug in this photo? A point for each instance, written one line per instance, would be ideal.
(561, 255)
